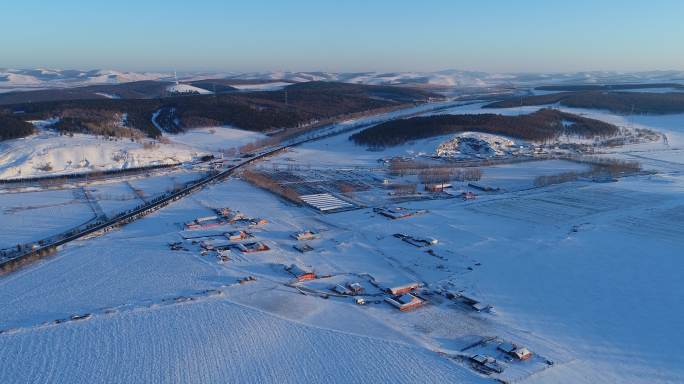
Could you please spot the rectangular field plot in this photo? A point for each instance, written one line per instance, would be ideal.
(665, 225)
(562, 205)
(32, 216)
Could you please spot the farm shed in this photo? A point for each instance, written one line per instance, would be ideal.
(439, 187)
(325, 202)
(204, 222)
(520, 353)
(303, 248)
(401, 289)
(341, 290)
(396, 213)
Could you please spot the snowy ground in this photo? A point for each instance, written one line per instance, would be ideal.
(48, 153)
(35, 215)
(274, 86)
(584, 274)
(214, 139)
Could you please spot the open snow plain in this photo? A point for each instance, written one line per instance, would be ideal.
(586, 275)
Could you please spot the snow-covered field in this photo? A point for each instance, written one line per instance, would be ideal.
(262, 86)
(583, 274)
(32, 216)
(214, 139)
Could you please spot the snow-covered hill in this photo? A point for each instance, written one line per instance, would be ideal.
(459, 78)
(187, 89)
(12, 79)
(22, 79)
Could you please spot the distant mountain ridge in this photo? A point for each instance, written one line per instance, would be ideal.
(24, 79)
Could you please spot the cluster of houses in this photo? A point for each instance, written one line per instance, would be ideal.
(486, 363)
(239, 218)
(234, 240)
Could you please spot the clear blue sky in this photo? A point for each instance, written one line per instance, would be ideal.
(344, 35)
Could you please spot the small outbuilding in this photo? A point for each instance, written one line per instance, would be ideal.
(355, 288)
(486, 364)
(468, 195)
(303, 248)
(342, 290)
(438, 187)
(305, 235)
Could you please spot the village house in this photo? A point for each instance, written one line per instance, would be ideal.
(301, 273)
(237, 235)
(405, 302)
(520, 353)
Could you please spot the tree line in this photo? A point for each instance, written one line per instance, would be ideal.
(543, 125)
(617, 102)
(296, 106)
(13, 128)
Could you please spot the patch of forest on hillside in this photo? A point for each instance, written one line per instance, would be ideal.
(133, 90)
(13, 128)
(607, 87)
(297, 105)
(542, 125)
(617, 102)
